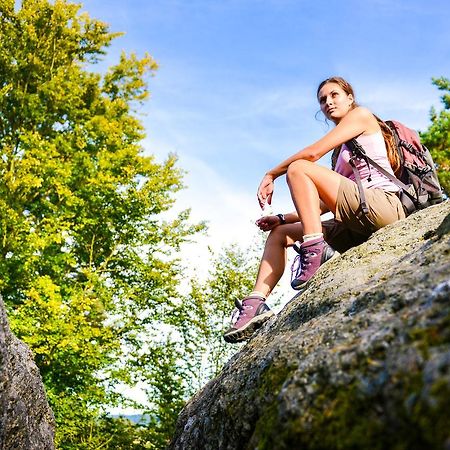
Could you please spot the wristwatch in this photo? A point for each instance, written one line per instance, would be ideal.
(282, 218)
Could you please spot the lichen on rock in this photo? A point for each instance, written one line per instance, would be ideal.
(359, 360)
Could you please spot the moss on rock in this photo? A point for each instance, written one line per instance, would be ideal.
(360, 360)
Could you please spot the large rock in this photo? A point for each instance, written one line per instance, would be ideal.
(26, 420)
(360, 360)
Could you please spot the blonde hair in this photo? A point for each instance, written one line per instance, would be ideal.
(389, 140)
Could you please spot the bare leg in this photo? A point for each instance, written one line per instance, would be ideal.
(274, 258)
(309, 183)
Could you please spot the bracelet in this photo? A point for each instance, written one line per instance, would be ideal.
(282, 218)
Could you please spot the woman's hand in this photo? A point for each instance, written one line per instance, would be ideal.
(267, 223)
(265, 190)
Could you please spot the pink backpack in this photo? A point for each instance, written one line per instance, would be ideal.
(417, 179)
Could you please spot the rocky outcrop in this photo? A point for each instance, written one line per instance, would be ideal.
(26, 420)
(360, 360)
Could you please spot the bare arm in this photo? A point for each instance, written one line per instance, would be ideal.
(358, 121)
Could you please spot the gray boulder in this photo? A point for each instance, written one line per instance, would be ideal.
(360, 360)
(26, 420)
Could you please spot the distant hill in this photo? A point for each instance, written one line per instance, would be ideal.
(135, 418)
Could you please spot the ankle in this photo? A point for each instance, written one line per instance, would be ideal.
(312, 236)
(259, 294)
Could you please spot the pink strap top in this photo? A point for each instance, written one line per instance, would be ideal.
(375, 147)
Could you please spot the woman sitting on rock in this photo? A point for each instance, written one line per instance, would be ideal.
(315, 190)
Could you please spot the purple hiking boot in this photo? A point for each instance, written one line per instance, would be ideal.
(312, 254)
(249, 316)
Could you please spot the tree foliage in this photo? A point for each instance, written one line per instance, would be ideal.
(210, 304)
(437, 137)
(87, 267)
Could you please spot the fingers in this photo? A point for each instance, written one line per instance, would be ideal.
(261, 223)
(265, 196)
(262, 198)
(265, 191)
(267, 223)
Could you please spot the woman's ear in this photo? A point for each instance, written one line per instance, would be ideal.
(351, 99)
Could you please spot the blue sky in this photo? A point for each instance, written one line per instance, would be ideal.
(235, 91)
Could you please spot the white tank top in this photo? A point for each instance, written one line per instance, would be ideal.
(375, 147)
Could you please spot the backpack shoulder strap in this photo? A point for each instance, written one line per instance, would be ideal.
(356, 149)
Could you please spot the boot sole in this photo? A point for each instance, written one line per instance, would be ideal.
(244, 333)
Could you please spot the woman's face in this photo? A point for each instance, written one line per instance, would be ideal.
(334, 102)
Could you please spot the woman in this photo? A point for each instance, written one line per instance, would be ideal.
(316, 190)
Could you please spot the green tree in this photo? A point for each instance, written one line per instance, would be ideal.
(210, 304)
(86, 264)
(437, 137)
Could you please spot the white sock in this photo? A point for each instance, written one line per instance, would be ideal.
(257, 294)
(310, 237)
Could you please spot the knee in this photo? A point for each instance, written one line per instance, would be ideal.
(297, 168)
(278, 237)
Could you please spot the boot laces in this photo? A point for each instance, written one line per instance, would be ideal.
(237, 311)
(296, 267)
(301, 261)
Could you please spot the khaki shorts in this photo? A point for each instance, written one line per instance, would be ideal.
(351, 226)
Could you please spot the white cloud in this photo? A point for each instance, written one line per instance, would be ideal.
(229, 209)
(231, 214)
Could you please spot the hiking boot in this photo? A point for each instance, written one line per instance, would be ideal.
(312, 254)
(248, 317)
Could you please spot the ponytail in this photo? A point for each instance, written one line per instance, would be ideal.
(391, 146)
